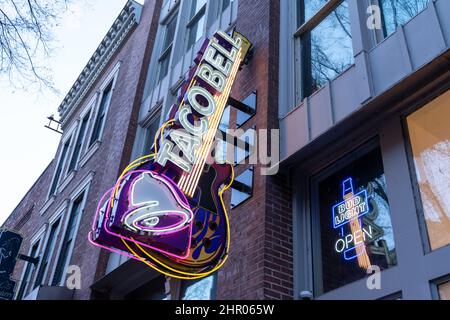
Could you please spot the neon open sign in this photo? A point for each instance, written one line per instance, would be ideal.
(166, 209)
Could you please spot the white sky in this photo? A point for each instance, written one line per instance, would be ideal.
(26, 146)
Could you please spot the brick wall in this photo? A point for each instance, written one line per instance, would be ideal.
(260, 262)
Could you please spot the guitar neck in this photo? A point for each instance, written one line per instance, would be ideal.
(189, 180)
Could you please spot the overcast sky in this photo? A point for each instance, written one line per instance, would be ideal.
(26, 146)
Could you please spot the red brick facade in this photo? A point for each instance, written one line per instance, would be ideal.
(260, 263)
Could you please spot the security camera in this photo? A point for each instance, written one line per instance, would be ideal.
(306, 295)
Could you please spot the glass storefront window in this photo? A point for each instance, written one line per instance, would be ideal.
(398, 12)
(429, 133)
(351, 221)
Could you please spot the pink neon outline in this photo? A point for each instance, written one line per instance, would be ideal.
(112, 249)
(143, 244)
(99, 206)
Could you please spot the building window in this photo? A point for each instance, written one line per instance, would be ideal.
(444, 291)
(150, 133)
(79, 142)
(222, 6)
(203, 289)
(325, 41)
(351, 221)
(396, 13)
(29, 272)
(429, 134)
(196, 23)
(68, 240)
(101, 114)
(60, 166)
(45, 261)
(169, 35)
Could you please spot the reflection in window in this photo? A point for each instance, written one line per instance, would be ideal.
(79, 142)
(59, 168)
(308, 8)
(166, 50)
(444, 291)
(101, 115)
(398, 12)
(327, 49)
(221, 143)
(355, 230)
(429, 133)
(150, 133)
(242, 188)
(203, 289)
(197, 22)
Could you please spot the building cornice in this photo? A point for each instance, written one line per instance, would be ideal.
(127, 19)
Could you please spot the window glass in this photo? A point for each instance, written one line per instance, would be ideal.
(47, 253)
(203, 289)
(166, 50)
(79, 143)
(101, 115)
(68, 241)
(150, 133)
(225, 4)
(429, 133)
(197, 5)
(242, 188)
(196, 31)
(29, 271)
(398, 12)
(354, 229)
(170, 32)
(196, 26)
(59, 168)
(444, 291)
(308, 8)
(327, 49)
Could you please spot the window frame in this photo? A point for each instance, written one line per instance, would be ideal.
(38, 237)
(88, 111)
(424, 233)
(111, 78)
(82, 190)
(166, 53)
(302, 70)
(67, 137)
(154, 115)
(382, 34)
(58, 217)
(193, 20)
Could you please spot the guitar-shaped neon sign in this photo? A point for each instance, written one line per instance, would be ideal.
(166, 209)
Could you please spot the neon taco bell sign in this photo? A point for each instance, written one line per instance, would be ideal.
(166, 209)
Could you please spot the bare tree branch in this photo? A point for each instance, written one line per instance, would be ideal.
(26, 36)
